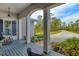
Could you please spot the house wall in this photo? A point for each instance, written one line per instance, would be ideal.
(22, 28)
(4, 16)
(22, 24)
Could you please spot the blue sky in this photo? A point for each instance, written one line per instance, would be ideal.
(67, 12)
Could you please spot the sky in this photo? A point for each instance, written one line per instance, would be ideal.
(66, 12)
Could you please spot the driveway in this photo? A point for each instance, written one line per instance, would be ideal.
(62, 36)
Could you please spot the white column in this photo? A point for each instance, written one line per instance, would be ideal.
(3, 26)
(46, 29)
(11, 28)
(17, 29)
(32, 28)
(28, 38)
(23, 28)
(20, 29)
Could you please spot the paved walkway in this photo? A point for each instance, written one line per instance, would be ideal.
(62, 36)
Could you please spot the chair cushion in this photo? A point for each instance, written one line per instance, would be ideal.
(30, 53)
(7, 40)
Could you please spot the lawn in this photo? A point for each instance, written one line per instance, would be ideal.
(55, 32)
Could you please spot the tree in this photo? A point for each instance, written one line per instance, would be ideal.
(63, 25)
(55, 24)
(39, 25)
(71, 26)
(77, 24)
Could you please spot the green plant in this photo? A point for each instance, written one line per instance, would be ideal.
(1, 38)
(67, 47)
(37, 38)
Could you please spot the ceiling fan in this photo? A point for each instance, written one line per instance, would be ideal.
(9, 15)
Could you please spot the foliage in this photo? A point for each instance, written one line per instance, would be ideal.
(39, 33)
(74, 27)
(37, 38)
(67, 47)
(55, 24)
(1, 38)
(39, 26)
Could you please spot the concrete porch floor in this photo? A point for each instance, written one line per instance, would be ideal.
(19, 48)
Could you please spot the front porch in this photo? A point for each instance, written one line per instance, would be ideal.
(24, 30)
(19, 48)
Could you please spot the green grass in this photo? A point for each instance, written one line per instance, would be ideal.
(67, 47)
(75, 32)
(55, 32)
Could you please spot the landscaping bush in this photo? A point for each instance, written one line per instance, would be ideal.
(37, 38)
(1, 38)
(67, 47)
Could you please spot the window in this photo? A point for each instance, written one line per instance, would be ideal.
(7, 27)
(10, 28)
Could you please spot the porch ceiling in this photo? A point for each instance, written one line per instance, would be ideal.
(37, 6)
(14, 7)
(23, 9)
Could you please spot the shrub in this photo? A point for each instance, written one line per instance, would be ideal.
(67, 47)
(1, 38)
(37, 38)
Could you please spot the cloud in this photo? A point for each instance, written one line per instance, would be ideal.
(67, 12)
(72, 17)
(62, 8)
(36, 13)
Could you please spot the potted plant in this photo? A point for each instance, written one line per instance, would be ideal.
(1, 40)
